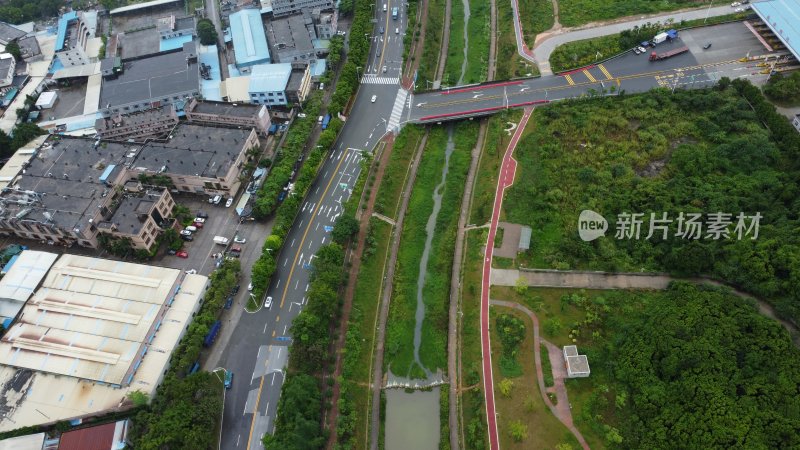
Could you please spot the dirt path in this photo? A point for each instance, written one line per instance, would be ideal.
(622, 280)
(377, 370)
(442, 60)
(355, 259)
(561, 410)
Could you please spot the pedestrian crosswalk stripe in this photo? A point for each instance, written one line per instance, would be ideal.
(397, 110)
(605, 72)
(569, 80)
(372, 79)
(589, 75)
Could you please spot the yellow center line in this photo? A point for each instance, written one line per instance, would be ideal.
(285, 289)
(589, 76)
(255, 413)
(386, 33)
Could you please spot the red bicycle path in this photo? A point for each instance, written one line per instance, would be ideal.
(506, 179)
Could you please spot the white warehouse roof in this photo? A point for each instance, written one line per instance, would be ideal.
(21, 280)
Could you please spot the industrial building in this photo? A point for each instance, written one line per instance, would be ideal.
(8, 67)
(93, 331)
(72, 185)
(150, 124)
(249, 41)
(268, 84)
(291, 38)
(9, 33)
(76, 30)
(287, 7)
(783, 18)
(151, 82)
(232, 114)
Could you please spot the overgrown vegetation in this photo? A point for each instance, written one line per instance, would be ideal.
(536, 17)
(22, 134)
(509, 64)
(578, 12)
(699, 151)
(434, 29)
(401, 323)
(206, 32)
(186, 410)
(387, 200)
(784, 89)
(512, 332)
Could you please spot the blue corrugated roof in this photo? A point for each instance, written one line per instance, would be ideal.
(63, 23)
(210, 88)
(173, 43)
(783, 17)
(270, 77)
(318, 67)
(249, 39)
(107, 172)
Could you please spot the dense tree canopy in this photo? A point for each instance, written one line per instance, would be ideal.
(206, 32)
(700, 368)
(21, 11)
(784, 88)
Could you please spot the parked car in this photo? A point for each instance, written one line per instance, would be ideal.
(636, 50)
(182, 254)
(228, 380)
(186, 232)
(171, 252)
(201, 215)
(250, 287)
(229, 202)
(642, 50)
(707, 46)
(229, 302)
(236, 249)
(215, 199)
(239, 240)
(268, 302)
(197, 224)
(235, 290)
(735, 4)
(191, 272)
(190, 228)
(301, 115)
(199, 219)
(187, 237)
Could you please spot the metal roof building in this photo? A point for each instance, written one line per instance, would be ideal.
(95, 330)
(109, 436)
(138, 6)
(249, 39)
(21, 280)
(268, 83)
(27, 442)
(783, 17)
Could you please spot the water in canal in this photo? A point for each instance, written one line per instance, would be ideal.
(412, 417)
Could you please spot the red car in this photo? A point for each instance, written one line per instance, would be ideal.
(198, 224)
(182, 254)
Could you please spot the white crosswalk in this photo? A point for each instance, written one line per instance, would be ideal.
(373, 79)
(397, 110)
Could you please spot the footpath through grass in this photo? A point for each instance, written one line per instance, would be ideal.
(536, 17)
(401, 323)
(523, 404)
(509, 64)
(387, 201)
(434, 28)
(361, 332)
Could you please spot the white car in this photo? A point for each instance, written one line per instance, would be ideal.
(738, 10)
(186, 233)
(636, 50)
(301, 115)
(735, 4)
(250, 287)
(229, 202)
(374, 97)
(642, 50)
(268, 302)
(199, 220)
(191, 272)
(191, 228)
(239, 240)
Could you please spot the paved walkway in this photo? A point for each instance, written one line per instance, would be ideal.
(548, 41)
(561, 409)
(504, 180)
(522, 47)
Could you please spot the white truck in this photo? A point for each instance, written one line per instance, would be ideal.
(220, 240)
(659, 38)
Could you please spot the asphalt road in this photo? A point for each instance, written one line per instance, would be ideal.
(258, 349)
(628, 72)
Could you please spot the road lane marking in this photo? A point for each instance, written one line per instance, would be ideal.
(303, 238)
(309, 244)
(306, 287)
(265, 332)
(605, 71)
(589, 76)
(285, 261)
(278, 285)
(569, 80)
(296, 284)
(255, 413)
(292, 243)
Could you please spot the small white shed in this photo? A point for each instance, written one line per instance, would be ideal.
(46, 100)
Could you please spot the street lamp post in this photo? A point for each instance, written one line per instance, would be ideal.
(708, 11)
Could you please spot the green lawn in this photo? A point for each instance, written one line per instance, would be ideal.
(578, 12)
(455, 50)
(387, 201)
(434, 28)
(478, 29)
(525, 403)
(509, 63)
(400, 328)
(536, 16)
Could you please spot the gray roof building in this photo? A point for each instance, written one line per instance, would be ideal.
(286, 7)
(291, 38)
(151, 82)
(9, 33)
(29, 48)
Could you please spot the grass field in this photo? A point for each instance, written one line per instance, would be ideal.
(491, 157)
(578, 12)
(366, 301)
(434, 28)
(536, 16)
(525, 402)
(509, 63)
(477, 47)
(387, 201)
(400, 328)
(455, 49)
(472, 405)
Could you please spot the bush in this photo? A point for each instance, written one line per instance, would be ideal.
(784, 89)
(206, 32)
